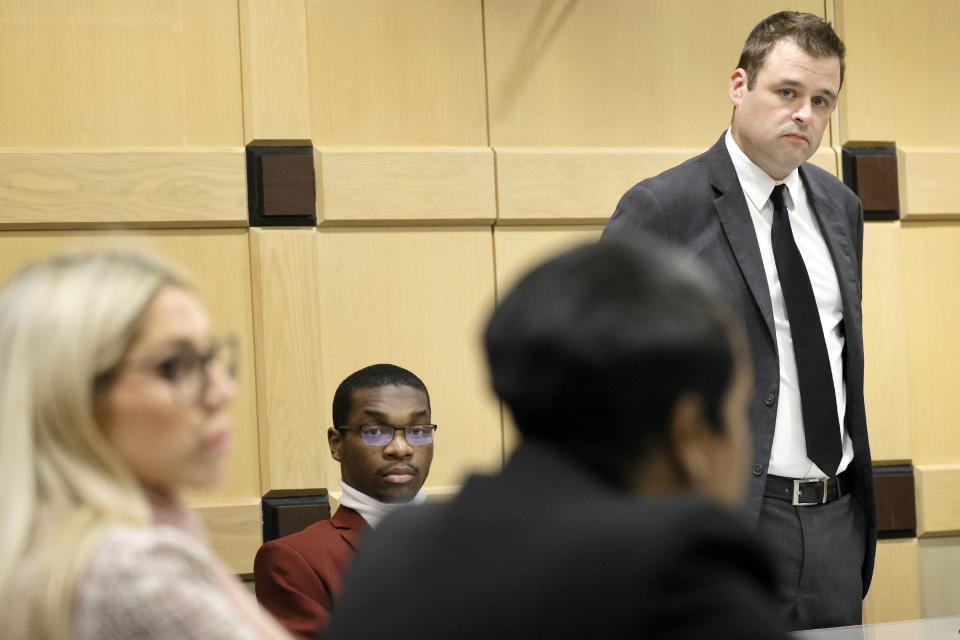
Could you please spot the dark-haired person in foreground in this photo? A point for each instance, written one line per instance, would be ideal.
(629, 382)
(785, 238)
(383, 440)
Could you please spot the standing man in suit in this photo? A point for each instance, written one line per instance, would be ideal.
(383, 440)
(628, 380)
(785, 238)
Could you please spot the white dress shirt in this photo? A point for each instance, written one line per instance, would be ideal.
(788, 457)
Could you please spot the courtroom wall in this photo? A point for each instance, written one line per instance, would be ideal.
(455, 143)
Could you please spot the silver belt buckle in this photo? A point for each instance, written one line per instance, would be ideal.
(796, 491)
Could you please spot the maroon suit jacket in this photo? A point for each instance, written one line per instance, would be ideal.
(297, 576)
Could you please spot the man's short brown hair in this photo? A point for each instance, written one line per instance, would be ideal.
(811, 33)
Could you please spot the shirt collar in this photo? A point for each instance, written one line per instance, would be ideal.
(756, 183)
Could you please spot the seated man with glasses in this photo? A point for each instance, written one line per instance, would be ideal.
(629, 381)
(383, 440)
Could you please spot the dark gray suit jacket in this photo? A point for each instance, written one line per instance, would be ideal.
(547, 549)
(700, 205)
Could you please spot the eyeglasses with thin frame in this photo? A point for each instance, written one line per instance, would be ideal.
(416, 435)
(186, 370)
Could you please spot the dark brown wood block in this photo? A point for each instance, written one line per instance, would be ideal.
(287, 511)
(281, 185)
(288, 185)
(871, 172)
(896, 501)
(877, 182)
(292, 518)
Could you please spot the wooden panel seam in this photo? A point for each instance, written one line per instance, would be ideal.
(293, 446)
(259, 350)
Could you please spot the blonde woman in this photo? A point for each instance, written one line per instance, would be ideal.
(113, 400)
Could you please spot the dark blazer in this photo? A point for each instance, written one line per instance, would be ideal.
(546, 549)
(700, 205)
(297, 576)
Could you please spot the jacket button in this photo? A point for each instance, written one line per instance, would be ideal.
(770, 399)
(758, 469)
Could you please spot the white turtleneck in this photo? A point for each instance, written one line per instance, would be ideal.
(371, 509)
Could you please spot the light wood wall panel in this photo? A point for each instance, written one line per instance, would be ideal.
(614, 72)
(867, 29)
(574, 184)
(418, 298)
(884, 343)
(938, 499)
(588, 98)
(286, 314)
(406, 80)
(519, 249)
(219, 261)
(931, 273)
(123, 189)
(235, 530)
(273, 38)
(929, 182)
(895, 590)
(522, 248)
(389, 73)
(827, 158)
(113, 73)
(900, 56)
(939, 577)
(368, 185)
(584, 184)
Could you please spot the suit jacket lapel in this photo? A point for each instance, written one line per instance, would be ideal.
(734, 215)
(833, 226)
(350, 524)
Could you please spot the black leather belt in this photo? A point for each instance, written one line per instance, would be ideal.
(809, 492)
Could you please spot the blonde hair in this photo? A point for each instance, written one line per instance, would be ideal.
(64, 322)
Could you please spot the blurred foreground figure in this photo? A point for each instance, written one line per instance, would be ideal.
(628, 382)
(113, 400)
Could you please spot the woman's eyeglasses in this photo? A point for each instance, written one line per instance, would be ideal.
(186, 370)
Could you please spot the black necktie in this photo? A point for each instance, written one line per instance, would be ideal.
(818, 400)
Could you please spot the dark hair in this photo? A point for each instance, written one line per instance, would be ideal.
(811, 33)
(592, 349)
(376, 375)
